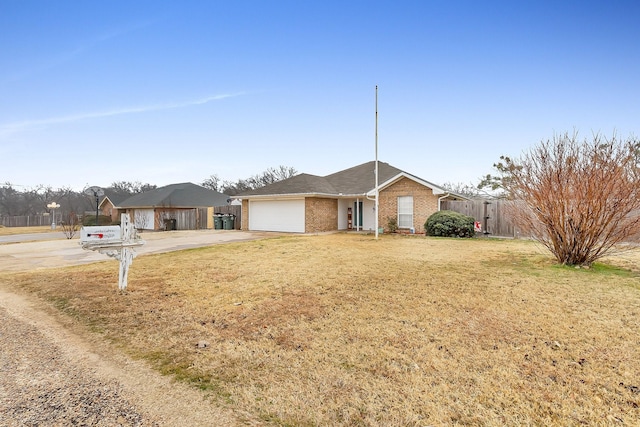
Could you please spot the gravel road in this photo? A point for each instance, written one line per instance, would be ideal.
(51, 376)
(41, 385)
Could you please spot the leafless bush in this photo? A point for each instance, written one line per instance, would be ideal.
(70, 225)
(141, 221)
(579, 199)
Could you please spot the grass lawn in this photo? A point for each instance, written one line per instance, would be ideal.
(344, 330)
(9, 231)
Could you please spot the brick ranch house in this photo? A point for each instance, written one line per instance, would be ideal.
(344, 200)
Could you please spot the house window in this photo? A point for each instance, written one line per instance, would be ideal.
(405, 212)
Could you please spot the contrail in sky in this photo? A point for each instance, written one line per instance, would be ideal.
(11, 128)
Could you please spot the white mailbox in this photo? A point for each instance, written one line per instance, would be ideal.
(100, 233)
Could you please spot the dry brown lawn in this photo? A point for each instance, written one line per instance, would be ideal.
(9, 231)
(345, 330)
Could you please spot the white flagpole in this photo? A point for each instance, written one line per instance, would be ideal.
(377, 191)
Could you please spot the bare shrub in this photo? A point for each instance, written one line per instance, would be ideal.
(580, 199)
(70, 225)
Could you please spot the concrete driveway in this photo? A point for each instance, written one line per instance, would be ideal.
(25, 252)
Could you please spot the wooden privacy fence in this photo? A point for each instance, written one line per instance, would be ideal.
(491, 214)
(185, 219)
(230, 210)
(198, 218)
(189, 219)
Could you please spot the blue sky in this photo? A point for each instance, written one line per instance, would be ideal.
(165, 92)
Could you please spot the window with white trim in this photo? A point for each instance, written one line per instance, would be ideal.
(405, 212)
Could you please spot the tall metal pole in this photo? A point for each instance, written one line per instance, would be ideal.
(96, 192)
(377, 190)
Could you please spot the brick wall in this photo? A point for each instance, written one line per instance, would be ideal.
(425, 203)
(244, 225)
(320, 215)
(107, 209)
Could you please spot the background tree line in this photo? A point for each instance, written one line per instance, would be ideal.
(18, 201)
(34, 201)
(233, 188)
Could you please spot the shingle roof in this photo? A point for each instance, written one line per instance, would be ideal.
(362, 178)
(115, 196)
(357, 180)
(303, 183)
(184, 195)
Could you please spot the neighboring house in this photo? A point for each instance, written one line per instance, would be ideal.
(344, 200)
(109, 204)
(183, 206)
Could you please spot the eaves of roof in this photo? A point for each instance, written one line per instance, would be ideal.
(286, 196)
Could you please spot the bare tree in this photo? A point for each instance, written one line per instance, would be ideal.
(9, 200)
(71, 201)
(233, 188)
(267, 177)
(33, 201)
(280, 173)
(70, 225)
(212, 183)
(131, 188)
(29, 201)
(463, 189)
(579, 199)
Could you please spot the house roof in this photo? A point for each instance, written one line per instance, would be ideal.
(358, 180)
(184, 195)
(115, 197)
(303, 183)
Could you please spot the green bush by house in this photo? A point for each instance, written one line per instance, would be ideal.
(449, 224)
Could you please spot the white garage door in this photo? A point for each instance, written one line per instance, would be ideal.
(280, 215)
(143, 219)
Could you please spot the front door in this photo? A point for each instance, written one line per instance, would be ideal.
(357, 214)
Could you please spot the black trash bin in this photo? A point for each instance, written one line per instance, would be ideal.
(169, 224)
(228, 221)
(217, 221)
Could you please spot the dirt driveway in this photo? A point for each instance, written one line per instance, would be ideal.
(52, 373)
(16, 254)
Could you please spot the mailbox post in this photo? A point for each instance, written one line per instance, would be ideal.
(115, 241)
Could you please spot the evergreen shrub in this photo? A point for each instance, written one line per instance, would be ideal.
(449, 224)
